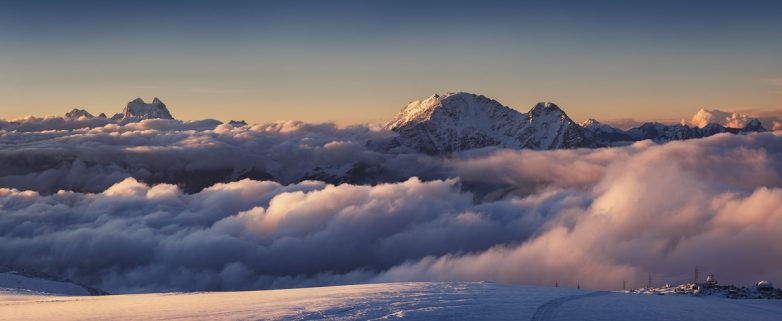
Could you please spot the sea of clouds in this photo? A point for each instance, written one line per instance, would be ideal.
(99, 203)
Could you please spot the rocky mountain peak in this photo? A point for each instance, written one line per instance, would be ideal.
(76, 113)
(754, 125)
(138, 109)
(458, 121)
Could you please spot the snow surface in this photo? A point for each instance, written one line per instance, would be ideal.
(13, 282)
(405, 301)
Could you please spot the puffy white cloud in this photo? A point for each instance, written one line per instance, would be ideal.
(771, 120)
(247, 234)
(193, 154)
(712, 203)
(95, 205)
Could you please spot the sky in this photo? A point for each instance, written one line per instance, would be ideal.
(362, 61)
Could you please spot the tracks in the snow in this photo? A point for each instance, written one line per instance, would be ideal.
(546, 311)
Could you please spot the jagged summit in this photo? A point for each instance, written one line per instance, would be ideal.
(138, 109)
(455, 121)
(237, 123)
(591, 122)
(77, 113)
(547, 109)
(458, 121)
(545, 106)
(452, 102)
(754, 125)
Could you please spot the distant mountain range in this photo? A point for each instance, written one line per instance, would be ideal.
(440, 125)
(453, 122)
(136, 110)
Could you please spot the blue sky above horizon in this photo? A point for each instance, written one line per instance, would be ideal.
(361, 61)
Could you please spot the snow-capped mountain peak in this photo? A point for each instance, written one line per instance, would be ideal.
(591, 122)
(548, 110)
(138, 109)
(77, 113)
(754, 125)
(452, 103)
(546, 107)
(551, 128)
(458, 121)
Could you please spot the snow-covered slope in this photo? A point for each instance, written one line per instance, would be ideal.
(29, 282)
(550, 128)
(395, 301)
(459, 121)
(604, 133)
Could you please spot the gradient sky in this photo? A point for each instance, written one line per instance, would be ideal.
(361, 61)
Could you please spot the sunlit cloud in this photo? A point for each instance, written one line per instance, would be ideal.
(102, 214)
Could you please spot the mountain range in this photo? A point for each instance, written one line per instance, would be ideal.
(440, 125)
(135, 110)
(453, 122)
(456, 121)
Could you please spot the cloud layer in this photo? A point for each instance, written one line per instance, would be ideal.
(192, 154)
(713, 203)
(594, 216)
(248, 234)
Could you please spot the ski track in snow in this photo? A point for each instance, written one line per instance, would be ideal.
(546, 311)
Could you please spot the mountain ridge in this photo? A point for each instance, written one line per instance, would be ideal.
(451, 122)
(457, 121)
(136, 110)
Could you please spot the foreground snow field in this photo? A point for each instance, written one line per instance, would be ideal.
(21, 284)
(410, 301)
